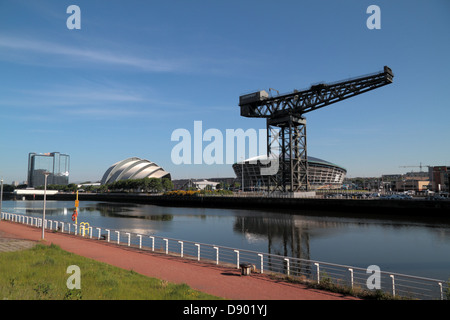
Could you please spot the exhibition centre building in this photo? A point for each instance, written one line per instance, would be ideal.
(321, 174)
(133, 168)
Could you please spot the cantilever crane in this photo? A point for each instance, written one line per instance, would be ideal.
(286, 125)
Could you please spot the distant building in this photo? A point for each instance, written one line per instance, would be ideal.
(55, 163)
(440, 178)
(188, 184)
(412, 184)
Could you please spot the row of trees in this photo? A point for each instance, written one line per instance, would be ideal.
(134, 185)
(144, 185)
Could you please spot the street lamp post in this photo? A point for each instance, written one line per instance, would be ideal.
(45, 199)
(242, 176)
(1, 198)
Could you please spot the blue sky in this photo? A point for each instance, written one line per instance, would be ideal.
(138, 70)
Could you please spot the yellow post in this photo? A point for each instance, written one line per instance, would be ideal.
(76, 208)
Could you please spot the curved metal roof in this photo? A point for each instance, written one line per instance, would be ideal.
(133, 168)
(311, 160)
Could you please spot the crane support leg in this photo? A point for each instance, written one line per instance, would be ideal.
(288, 134)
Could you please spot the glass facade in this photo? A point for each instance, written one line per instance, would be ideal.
(55, 163)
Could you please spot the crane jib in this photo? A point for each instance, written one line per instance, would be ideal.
(260, 104)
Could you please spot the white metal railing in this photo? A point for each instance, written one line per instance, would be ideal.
(395, 284)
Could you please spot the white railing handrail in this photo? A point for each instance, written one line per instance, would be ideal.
(284, 262)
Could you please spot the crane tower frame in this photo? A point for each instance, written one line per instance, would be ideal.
(286, 124)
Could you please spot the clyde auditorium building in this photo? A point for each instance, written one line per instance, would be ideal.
(321, 173)
(133, 168)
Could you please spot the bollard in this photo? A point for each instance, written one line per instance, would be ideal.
(245, 269)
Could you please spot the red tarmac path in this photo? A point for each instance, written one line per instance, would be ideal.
(219, 281)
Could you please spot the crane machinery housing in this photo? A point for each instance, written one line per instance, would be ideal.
(286, 124)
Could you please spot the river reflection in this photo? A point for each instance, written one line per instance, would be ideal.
(412, 247)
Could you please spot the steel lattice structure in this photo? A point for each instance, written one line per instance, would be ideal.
(286, 124)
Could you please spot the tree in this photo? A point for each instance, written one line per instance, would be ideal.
(167, 184)
(155, 185)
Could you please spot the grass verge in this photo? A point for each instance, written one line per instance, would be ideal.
(40, 273)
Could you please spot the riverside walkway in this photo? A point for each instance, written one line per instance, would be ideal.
(219, 281)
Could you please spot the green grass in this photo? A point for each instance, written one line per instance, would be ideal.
(40, 274)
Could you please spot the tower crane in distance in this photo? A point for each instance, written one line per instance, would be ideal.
(420, 166)
(286, 124)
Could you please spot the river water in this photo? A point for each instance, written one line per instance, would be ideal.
(419, 248)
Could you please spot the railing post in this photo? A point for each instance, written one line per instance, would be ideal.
(140, 240)
(198, 251)
(237, 258)
(288, 269)
(99, 233)
(351, 276)
(318, 272)
(62, 227)
(108, 231)
(181, 243)
(440, 290)
(118, 236)
(153, 243)
(167, 245)
(76, 228)
(217, 254)
(262, 264)
(129, 236)
(393, 284)
(90, 232)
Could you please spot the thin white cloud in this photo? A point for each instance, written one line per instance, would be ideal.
(89, 55)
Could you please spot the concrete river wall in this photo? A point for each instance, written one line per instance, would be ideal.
(379, 207)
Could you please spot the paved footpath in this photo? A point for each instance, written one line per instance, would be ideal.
(219, 281)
